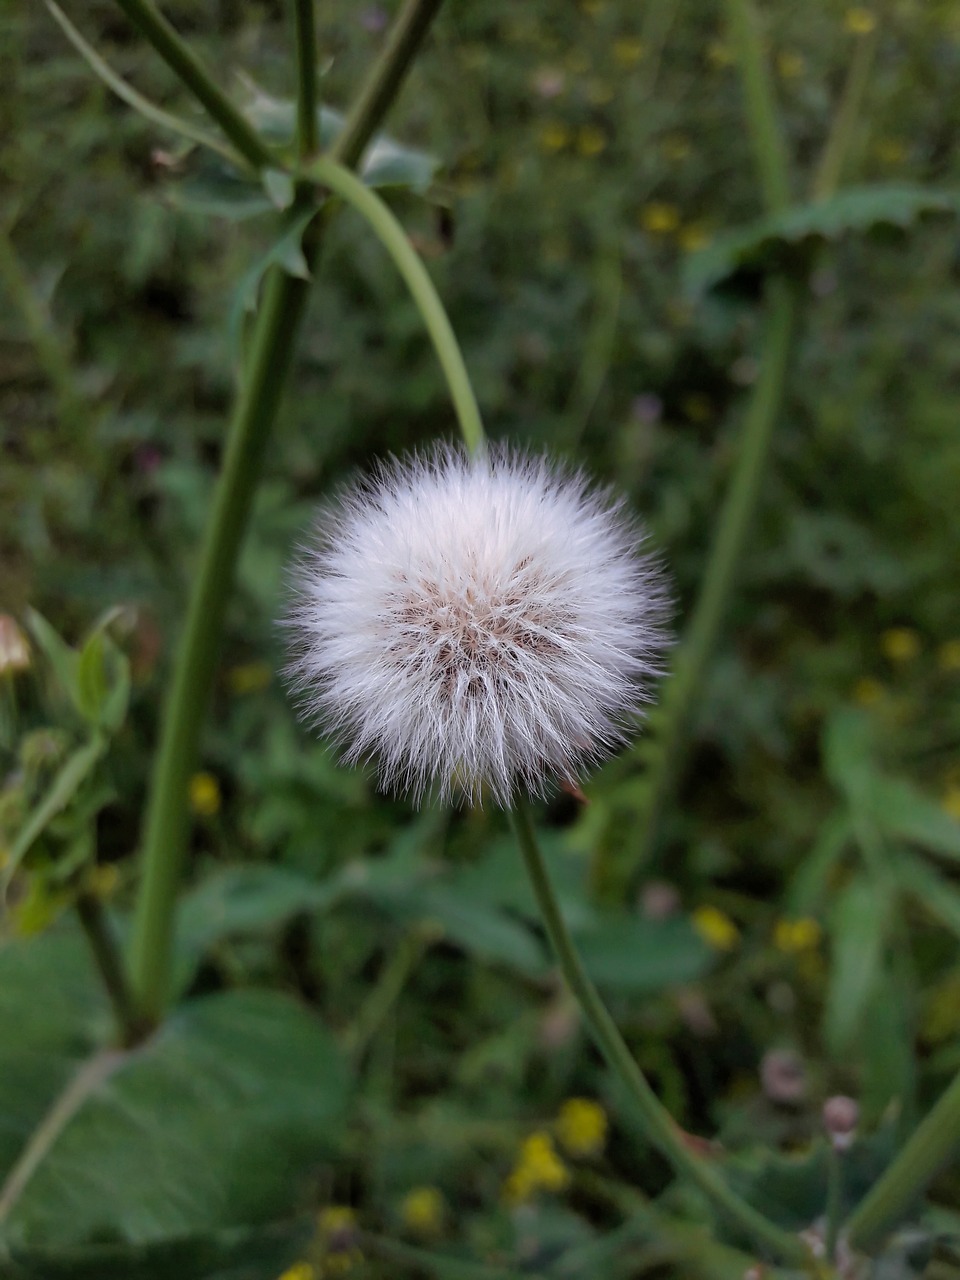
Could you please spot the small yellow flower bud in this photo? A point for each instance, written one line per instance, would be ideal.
(859, 21)
(204, 795)
(423, 1211)
(900, 644)
(581, 1127)
(716, 928)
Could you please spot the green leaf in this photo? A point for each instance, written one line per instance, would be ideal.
(858, 926)
(226, 1255)
(634, 955)
(809, 886)
(58, 653)
(902, 810)
(478, 929)
(935, 893)
(65, 785)
(786, 239)
(847, 754)
(279, 186)
(219, 1120)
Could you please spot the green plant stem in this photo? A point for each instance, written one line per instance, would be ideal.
(271, 351)
(763, 117)
(167, 817)
(670, 723)
(307, 141)
(844, 125)
(660, 1128)
(408, 262)
(929, 1147)
(109, 962)
(181, 59)
(405, 37)
(389, 986)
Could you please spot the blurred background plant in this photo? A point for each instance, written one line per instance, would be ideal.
(786, 933)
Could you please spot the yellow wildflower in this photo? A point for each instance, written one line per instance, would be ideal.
(554, 136)
(692, 237)
(299, 1271)
(716, 928)
(248, 677)
(102, 880)
(204, 795)
(890, 151)
(591, 140)
(867, 692)
(948, 656)
(793, 936)
(859, 21)
(697, 406)
(676, 146)
(423, 1211)
(628, 51)
(337, 1225)
(659, 219)
(900, 644)
(951, 802)
(599, 93)
(719, 54)
(581, 1127)
(791, 65)
(538, 1168)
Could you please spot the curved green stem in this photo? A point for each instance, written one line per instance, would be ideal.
(394, 239)
(181, 59)
(660, 1128)
(931, 1144)
(845, 121)
(307, 141)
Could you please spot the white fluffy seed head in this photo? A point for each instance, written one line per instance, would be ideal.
(476, 624)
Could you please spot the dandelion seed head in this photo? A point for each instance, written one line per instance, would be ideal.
(476, 625)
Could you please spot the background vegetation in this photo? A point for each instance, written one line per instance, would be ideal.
(793, 933)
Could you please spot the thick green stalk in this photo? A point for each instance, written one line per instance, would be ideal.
(166, 829)
(931, 1144)
(184, 62)
(271, 352)
(307, 141)
(660, 1128)
(763, 118)
(407, 261)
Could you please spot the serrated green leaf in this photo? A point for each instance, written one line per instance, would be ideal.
(858, 924)
(218, 1121)
(786, 238)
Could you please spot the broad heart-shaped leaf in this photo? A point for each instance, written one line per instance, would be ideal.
(260, 1253)
(787, 238)
(218, 1121)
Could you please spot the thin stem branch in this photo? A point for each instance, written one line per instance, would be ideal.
(763, 117)
(307, 140)
(109, 962)
(383, 84)
(660, 1128)
(408, 262)
(931, 1144)
(181, 59)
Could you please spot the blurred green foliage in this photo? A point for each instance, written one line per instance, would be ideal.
(587, 152)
